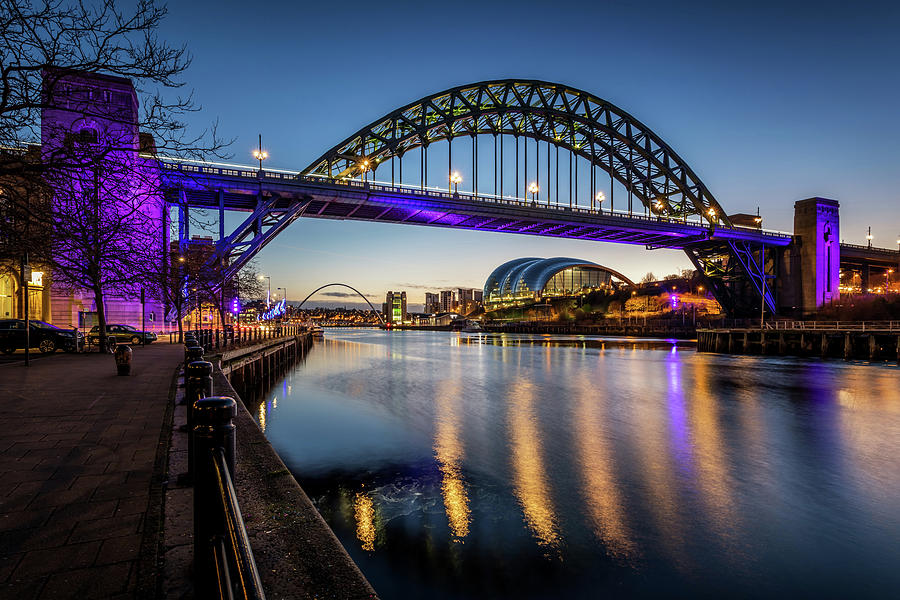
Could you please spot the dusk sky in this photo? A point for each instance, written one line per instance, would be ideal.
(768, 102)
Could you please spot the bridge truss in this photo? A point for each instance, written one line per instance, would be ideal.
(674, 208)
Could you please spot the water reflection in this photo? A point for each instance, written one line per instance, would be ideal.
(600, 489)
(530, 482)
(455, 466)
(448, 451)
(364, 515)
(710, 456)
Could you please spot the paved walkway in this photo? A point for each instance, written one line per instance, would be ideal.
(81, 464)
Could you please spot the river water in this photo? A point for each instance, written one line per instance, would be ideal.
(485, 466)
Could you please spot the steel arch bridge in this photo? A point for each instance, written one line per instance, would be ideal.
(358, 293)
(674, 209)
(588, 127)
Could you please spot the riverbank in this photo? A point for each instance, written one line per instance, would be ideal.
(296, 553)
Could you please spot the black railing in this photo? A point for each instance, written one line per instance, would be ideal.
(233, 548)
(217, 339)
(224, 566)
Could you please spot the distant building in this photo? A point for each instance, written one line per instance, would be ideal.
(394, 308)
(432, 302)
(479, 296)
(529, 280)
(465, 300)
(447, 304)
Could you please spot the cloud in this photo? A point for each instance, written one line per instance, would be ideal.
(444, 285)
(344, 295)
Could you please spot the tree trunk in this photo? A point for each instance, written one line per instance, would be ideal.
(101, 316)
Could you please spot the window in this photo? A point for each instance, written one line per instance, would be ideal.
(87, 135)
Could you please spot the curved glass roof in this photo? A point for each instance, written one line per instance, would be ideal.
(524, 275)
(496, 281)
(536, 275)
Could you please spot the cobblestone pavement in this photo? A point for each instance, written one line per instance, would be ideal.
(82, 456)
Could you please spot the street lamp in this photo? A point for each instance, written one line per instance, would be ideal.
(364, 170)
(712, 214)
(600, 197)
(284, 297)
(869, 237)
(268, 288)
(534, 189)
(455, 179)
(260, 154)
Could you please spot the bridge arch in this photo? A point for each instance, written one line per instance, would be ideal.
(380, 318)
(562, 116)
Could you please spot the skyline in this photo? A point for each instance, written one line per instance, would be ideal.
(767, 104)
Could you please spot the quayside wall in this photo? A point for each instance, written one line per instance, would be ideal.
(296, 551)
(874, 342)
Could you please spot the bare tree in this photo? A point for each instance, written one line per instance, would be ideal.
(95, 163)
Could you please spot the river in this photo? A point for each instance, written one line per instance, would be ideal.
(478, 466)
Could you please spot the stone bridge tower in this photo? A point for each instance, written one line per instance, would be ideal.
(811, 277)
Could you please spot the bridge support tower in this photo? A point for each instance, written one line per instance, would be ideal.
(811, 269)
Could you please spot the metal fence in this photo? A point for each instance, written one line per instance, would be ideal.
(224, 566)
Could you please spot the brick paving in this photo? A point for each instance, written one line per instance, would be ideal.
(82, 457)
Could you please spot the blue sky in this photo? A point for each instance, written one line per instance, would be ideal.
(769, 102)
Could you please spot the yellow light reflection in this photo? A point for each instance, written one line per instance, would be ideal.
(595, 458)
(448, 450)
(657, 469)
(529, 475)
(364, 512)
(713, 474)
(262, 416)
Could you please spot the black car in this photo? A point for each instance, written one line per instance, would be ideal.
(46, 337)
(123, 334)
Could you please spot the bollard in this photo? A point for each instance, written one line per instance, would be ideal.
(198, 384)
(122, 355)
(217, 339)
(213, 428)
(192, 353)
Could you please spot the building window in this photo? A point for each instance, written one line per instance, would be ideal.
(7, 295)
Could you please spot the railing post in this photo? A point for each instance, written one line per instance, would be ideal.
(192, 353)
(213, 428)
(198, 384)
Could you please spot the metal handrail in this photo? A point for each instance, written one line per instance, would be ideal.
(874, 326)
(874, 249)
(174, 164)
(235, 548)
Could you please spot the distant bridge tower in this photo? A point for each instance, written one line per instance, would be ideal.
(815, 255)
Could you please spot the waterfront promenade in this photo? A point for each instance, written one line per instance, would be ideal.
(82, 457)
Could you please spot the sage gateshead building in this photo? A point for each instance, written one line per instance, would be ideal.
(530, 280)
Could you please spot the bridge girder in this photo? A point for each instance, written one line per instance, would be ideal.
(559, 115)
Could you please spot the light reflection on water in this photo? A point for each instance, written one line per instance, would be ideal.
(455, 466)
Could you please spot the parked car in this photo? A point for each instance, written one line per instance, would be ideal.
(45, 337)
(123, 333)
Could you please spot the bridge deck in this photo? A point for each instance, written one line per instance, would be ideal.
(236, 188)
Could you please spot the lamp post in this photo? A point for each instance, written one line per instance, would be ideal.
(284, 297)
(364, 171)
(869, 237)
(268, 288)
(600, 197)
(534, 189)
(260, 154)
(455, 179)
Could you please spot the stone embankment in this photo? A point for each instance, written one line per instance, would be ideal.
(297, 554)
